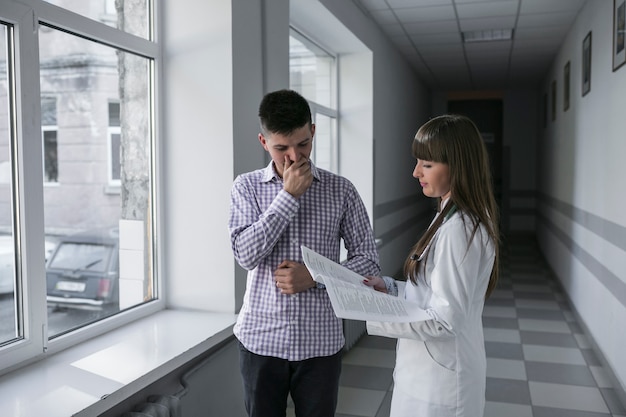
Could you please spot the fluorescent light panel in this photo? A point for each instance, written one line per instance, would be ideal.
(488, 35)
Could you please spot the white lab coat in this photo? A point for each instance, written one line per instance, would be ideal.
(440, 363)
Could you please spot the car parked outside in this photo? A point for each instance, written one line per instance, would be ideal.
(7, 262)
(83, 271)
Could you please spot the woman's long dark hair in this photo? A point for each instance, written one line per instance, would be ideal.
(454, 140)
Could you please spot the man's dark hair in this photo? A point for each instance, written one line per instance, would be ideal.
(284, 111)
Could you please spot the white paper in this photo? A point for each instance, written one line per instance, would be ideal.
(352, 299)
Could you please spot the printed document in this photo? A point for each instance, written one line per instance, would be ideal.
(352, 299)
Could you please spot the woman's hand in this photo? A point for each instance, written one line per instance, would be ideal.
(376, 282)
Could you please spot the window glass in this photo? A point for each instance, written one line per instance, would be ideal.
(9, 329)
(75, 257)
(312, 73)
(49, 134)
(311, 70)
(325, 146)
(114, 143)
(103, 132)
(132, 16)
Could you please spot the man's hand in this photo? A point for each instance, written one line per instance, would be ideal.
(297, 176)
(292, 277)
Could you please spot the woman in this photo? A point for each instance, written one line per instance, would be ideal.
(440, 363)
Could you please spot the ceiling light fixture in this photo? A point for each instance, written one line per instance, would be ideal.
(488, 35)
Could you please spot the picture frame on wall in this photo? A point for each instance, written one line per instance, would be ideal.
(586, 70)
(619, 34)
(553, 100)
(566, 72)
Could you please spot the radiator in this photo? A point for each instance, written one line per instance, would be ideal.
(352, 331)
(157, 406)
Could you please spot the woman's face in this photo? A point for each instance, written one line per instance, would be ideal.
(434, 177)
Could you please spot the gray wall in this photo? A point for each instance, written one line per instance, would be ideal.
(209, 386)
(581, 224)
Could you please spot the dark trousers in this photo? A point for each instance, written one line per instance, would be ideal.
(267, 381)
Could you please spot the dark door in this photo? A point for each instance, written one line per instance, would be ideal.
(487, 115)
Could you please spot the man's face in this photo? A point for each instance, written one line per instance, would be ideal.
(296, 146)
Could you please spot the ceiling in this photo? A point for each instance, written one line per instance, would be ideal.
(429, 33)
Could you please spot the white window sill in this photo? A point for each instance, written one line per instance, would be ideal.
(93, 376)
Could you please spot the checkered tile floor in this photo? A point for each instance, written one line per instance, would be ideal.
(539, 361)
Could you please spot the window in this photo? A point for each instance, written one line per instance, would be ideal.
(95, 88)
(107, 12)
(9, 328)
(312, 72)
(113, 147)
(79, 206)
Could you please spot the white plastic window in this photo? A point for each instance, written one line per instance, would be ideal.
(75, 253)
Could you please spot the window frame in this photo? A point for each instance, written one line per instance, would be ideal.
(25, 111)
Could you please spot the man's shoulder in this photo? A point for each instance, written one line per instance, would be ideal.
(255, 175)
(333, 178)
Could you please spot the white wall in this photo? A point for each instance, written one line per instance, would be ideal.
(582, 225)
(198, 155)
(400, 104)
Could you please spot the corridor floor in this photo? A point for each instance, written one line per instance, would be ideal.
(539, 361)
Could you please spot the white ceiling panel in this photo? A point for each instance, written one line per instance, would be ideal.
(546, 19)
(548, 6)
(487, 9)
(487, 23)
(433, 40)
(441, 26)
(434, 44)
(396, 4)
(543, 32)
(450, 63)
(425, 14)
(546, 44)
(477, 1)
(489, 48)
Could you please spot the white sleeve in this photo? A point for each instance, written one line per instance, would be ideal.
(454, 282)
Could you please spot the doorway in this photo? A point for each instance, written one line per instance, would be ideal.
(487, 115)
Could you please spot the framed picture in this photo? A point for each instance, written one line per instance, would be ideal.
(619, 26)
(553, 100)
(566, 86)
(587, 64)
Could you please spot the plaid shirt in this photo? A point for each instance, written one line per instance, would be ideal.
(267, 225)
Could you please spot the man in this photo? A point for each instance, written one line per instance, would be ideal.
(290, 339)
